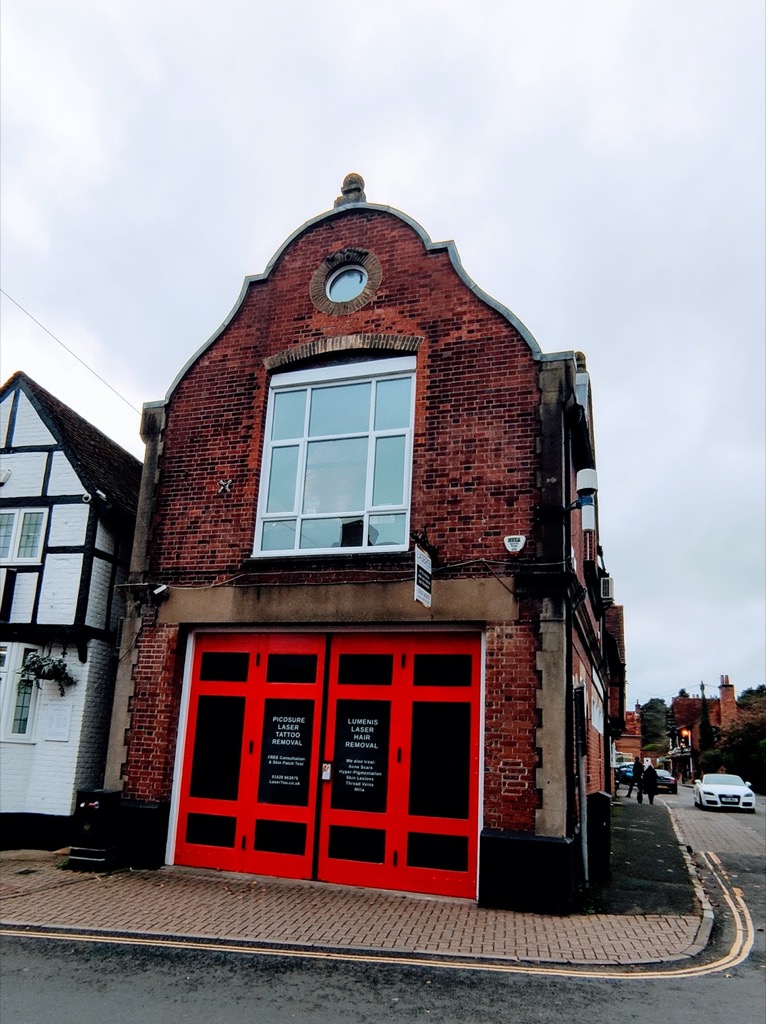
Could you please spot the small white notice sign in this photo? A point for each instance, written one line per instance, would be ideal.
(422, 577)
(58, 722)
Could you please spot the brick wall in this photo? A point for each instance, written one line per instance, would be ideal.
(510, 754)
(475, 476)
(154, 708)
(477, 405)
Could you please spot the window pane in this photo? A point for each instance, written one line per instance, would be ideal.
(387, 530)
(289, 415)
(31, 529)
(442, 670)
(441, 759)
(346, 284)
(340, 410)
(335, 476)
(282, 479)
(211, 830)
(388, 481)
(321, 533)
(6, 529)
(21, 709)
(279, 536)
(217, 748)
(224, 666)
(393, 404)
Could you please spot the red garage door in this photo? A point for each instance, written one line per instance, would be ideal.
(347, 758)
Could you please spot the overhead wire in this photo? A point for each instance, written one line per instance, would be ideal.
(69, 350)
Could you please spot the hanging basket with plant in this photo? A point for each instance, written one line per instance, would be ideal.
(38, 667)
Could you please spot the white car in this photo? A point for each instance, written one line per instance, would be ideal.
(723, 792)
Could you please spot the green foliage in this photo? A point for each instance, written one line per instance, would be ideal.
(711, 760)
(742, 747)
(752, 695)
(38, 667)
(683, 693)
(654, 724)
(707, 735)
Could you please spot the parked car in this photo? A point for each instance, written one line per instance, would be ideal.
(666, 782)
(623, 773)
(723, 792)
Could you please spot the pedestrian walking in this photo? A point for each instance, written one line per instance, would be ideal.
(649, 781)
(635, 779)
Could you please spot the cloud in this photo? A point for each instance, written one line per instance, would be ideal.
(599, 165)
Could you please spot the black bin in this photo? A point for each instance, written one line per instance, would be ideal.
(95, 834)
(599, 835)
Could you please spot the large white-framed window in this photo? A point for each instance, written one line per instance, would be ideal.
(21, 534)
(337, 460)
(18, 700)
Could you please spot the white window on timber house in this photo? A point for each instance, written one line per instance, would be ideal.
(337, 460)
(18, 699)
(21, 535)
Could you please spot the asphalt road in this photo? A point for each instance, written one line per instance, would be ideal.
(46, 981)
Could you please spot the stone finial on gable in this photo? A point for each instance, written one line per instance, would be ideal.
(352, 190)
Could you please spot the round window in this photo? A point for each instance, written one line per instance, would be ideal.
(346, 283)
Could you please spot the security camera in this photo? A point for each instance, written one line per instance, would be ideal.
(161, 589)
(587, 482)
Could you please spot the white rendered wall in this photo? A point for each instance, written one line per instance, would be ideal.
(29, 429)
(63, 479)
(68, 525)
(24, 596)
(60, 587)
(40, 774)
(27, 474)
(104, 539)
(5, 416)
(98, 598)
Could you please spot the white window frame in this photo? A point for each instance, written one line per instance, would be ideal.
(11, 659)
(13, 558)
(369, 370)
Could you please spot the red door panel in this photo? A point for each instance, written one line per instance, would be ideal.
(401, 808)
(248, 789)
(394, 717)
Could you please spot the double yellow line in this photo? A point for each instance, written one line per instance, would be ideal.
(742, 944)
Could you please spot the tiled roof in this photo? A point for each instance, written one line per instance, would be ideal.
(99, 460)
(687, 711)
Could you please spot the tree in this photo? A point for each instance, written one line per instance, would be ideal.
(752, 695)
(707, 735)
(743, 746)
(654, 725)
(683, 692)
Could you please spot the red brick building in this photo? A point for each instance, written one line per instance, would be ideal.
(687, 716)
(285, 705)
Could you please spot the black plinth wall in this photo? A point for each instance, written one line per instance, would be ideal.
(535, 874)
(143, 833)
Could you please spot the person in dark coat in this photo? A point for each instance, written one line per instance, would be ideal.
(635, 779)
(649, 781)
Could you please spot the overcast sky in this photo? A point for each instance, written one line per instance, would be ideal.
(599, 164)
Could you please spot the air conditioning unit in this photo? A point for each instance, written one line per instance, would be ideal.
(607, 590)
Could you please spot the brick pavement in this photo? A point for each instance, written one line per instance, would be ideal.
(210, 905)
(722, 832)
